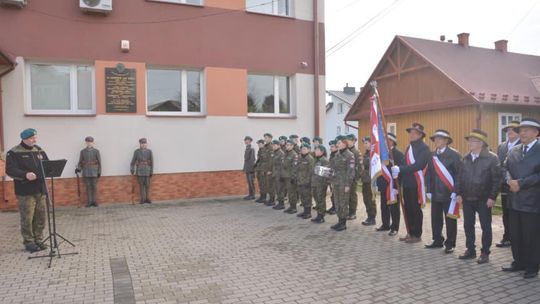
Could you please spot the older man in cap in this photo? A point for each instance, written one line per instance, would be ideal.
(23, 165)
(249, 167)
(411, 175)
(523, 178)
(512, 139)
(442, 175)
(478, 185)
(90, 166)
(142, 165)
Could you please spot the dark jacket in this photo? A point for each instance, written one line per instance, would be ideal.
(422, 156)
(502, 152)
(399, 160)
(526, 169)
(249, 159)
(22, 159)
(481, 179)
(451, 159)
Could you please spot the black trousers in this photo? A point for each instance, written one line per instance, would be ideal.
(505, 215)
(439, 211)
(470, 208)
(525, 235)
(413, 211)
(250, 178)
(390, 212)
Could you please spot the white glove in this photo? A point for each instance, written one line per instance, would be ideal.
(428, 195)
(395, 171)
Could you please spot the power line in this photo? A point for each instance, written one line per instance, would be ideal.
(523, 19)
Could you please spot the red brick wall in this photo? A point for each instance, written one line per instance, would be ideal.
(118, 189)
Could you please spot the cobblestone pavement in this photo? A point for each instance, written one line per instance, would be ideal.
(232, 251)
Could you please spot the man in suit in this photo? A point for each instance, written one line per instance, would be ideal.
(523, 178)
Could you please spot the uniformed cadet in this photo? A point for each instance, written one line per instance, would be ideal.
(266, 164)
(317, 141)
(353, 196)
(305, 140)
(304, 173)
(344, 168)
(277, 167)
(319, 184)
(249, 167)
(259, 172)
(365, 177)
(296, 143)
(90, 166)
(23, 165)
(512, 140)
(142, 165)
(283, 142)
(289, 175)
(333, 151)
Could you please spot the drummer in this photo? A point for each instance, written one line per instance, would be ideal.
(319, 183)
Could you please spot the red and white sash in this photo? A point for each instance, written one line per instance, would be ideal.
(391, 193)
(419, 175)
(448, 180)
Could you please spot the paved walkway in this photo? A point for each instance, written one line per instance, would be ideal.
(232, 251)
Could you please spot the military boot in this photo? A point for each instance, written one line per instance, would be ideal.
(319, 219)
(342, 225)
(261, 199)
(332, 210)
(307, 213)
(270, 203)
(279, 206)
(290, 210)
(370, 221)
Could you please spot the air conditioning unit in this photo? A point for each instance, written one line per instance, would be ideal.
(19, 3)
(96, 6)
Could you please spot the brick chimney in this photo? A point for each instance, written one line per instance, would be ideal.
(463, 39)
(501, 46)
(349, 90)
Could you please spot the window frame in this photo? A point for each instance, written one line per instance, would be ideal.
(179, 2)
(500, 125)
(277, 113)
(73, 90)
(275, 9)
(390, 126)
(183, 95)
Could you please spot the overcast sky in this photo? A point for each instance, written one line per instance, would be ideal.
(371, 26)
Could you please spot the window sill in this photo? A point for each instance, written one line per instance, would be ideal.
(176, 3)
(271, 15)
(186, 115)
(52, 114)
(274, 116)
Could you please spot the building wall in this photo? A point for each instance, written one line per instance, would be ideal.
(335, 120)
(490, 119)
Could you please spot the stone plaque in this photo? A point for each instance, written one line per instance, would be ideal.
(120, 90)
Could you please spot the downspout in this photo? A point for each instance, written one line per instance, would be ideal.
(11, 68)
(316, 66)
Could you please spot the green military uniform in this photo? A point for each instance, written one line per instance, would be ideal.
(367, 193)
(142, 165)
(353, 197)
(319, 185)
(20, 160)
(90, 166)
(304, 173)
(266, 166)
(260, 174)
(277, 174)
(289, 176)
(344, 167)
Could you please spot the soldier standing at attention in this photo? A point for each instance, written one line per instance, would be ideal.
(319, 184)
(142, 165)
(266, 164)
(333, 151)
(304, 173)
(512, 140)
(282, 142)
(353, 196)
(277, 167)
(259, 171)
(411, 176)
(344, 173)
(289, 175)
(90, 166)
(296, 143)
(249, 167)
(23, 165)
(317, 141)
(367, 193)
(477, 188)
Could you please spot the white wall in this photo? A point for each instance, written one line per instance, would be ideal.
(214, 143)
(303, 9)
(334, 119)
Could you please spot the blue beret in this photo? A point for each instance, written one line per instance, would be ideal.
(27, 133)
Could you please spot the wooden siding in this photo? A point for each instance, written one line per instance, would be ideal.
(490, 119)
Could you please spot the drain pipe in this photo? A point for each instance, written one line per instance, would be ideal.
(316, 66)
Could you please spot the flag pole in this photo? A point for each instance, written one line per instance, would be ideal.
(390, 155)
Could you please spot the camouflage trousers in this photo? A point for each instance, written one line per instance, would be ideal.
(261, 183)
(292, 194)
(33, 211)
(304, 191)
(369, 202)
(342, 200)
(279, 188)
(91, 188)
(353, 198)
(144, 187)
(269, 184)
(319, 194)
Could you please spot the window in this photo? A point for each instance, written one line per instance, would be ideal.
(504, 119)
(269, 94)
(60, 89)
(338, 131)
(173, 92)
(391, 127)
(271, 7)
(193, 2)
(347, 129)
(340, 108)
